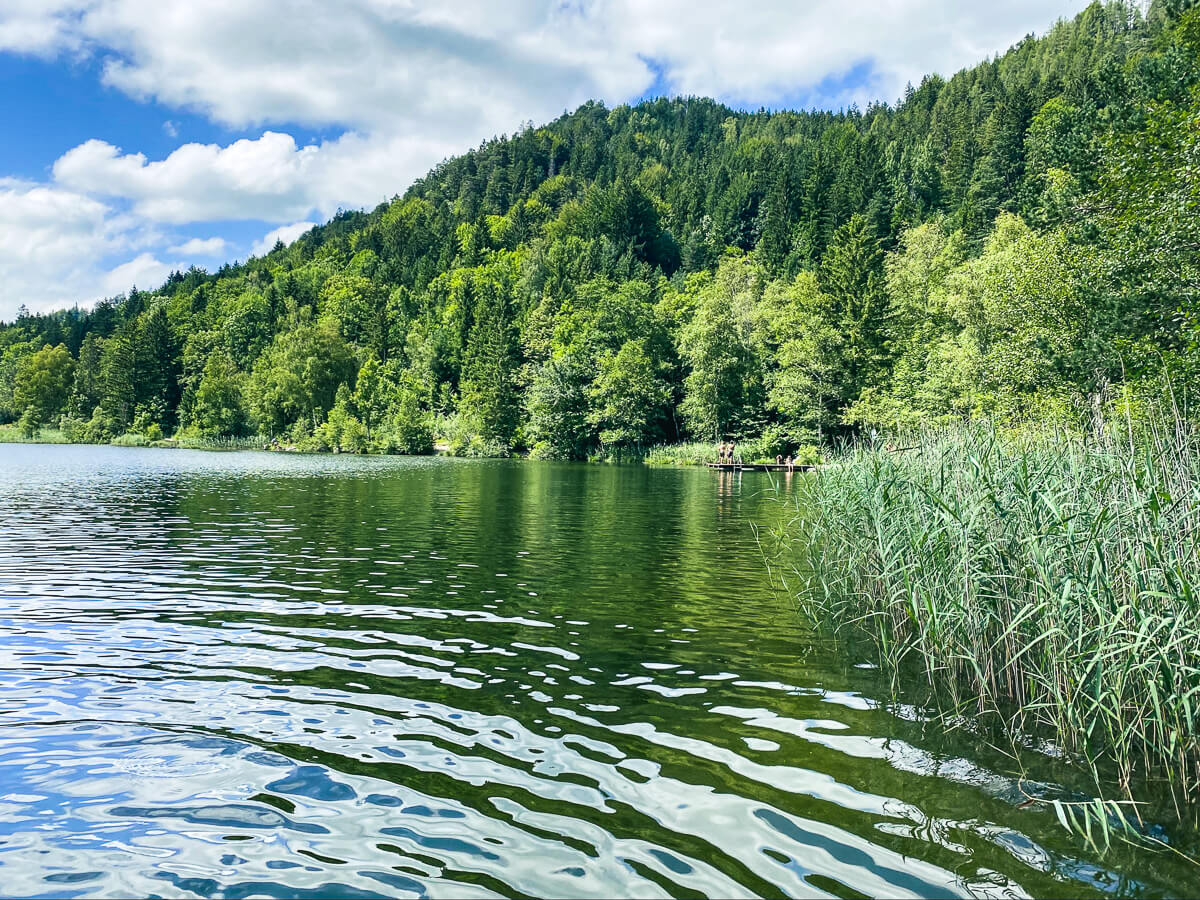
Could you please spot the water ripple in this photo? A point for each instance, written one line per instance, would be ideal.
(263, 675)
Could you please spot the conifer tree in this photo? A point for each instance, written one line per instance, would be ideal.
(88, 390)
(118, 368)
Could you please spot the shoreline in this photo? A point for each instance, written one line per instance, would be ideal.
(681, 455)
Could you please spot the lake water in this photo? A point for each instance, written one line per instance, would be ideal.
(232, 675)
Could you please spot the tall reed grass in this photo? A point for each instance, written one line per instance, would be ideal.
(749, 450)
(696, 453)
(11, 434)
(215, 443)
(1043, 582)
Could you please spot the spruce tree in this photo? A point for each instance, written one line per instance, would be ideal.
(88, 391)
(118, 367)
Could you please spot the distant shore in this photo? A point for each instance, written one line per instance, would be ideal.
(683, 454)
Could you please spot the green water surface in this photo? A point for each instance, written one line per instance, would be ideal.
(235, 675)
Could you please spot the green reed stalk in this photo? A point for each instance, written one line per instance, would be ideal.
(1043, 581)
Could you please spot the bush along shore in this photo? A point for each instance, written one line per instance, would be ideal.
(336, 437)
(1041, 584)
(12, 434)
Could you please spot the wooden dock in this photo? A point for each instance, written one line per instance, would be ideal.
(759, 467)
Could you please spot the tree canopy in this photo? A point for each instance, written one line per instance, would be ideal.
(1020, 238)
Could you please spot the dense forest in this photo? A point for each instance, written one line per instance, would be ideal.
(1020, 241)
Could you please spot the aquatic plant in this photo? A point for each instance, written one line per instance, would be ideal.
(696, 453)
(1040, 582)
(12, 434)
(214, 443)
(753, 450)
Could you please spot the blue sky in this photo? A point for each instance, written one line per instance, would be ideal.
(144, 136)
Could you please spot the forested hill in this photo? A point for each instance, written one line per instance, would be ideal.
(1019, 240)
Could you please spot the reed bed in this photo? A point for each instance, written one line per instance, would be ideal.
(216, 443)
(696, 453)
(1041, 582)
(11, 434)
(750, 450)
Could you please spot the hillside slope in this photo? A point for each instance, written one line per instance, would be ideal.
(1019, 239)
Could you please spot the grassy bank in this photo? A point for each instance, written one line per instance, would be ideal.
(1043, 583)
(11, 434)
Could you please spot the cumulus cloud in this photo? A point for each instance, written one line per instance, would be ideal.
(261, 178)
(268, 178)
(38, 27)
(43, 225)
(144, 269)
(402, 84)
(59, 247)
(213, 246)
(285, 233)
(380, 64)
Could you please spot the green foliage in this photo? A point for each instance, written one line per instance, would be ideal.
(798, 322)
(991, 336)
(1149, 232)
(341, 432)
(131, 439)
(297, 378)
(723, 392)
(558, 410)
(88, 391)
(246, 327)
(489, 379)
(691, 453)
(374, 393)
(1011, 242)
(410, 428)
(629, 398)
(1039, 582)
(12, 434)
(42, 385)
(118, 371)
(10, 361)
(219, 408)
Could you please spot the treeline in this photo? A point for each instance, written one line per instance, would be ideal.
(1019, 240)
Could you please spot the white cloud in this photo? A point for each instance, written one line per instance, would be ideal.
(268, 178)
(38, 27)
(407, 83)
(214, 246)
(144, 270)
(462, 69)
(285, 233)
(59, 247)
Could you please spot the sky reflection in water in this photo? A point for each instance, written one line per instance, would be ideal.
(253, 674)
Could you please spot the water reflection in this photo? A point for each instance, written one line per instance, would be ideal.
(314, 676)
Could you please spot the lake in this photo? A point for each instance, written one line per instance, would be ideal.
(253, 674)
